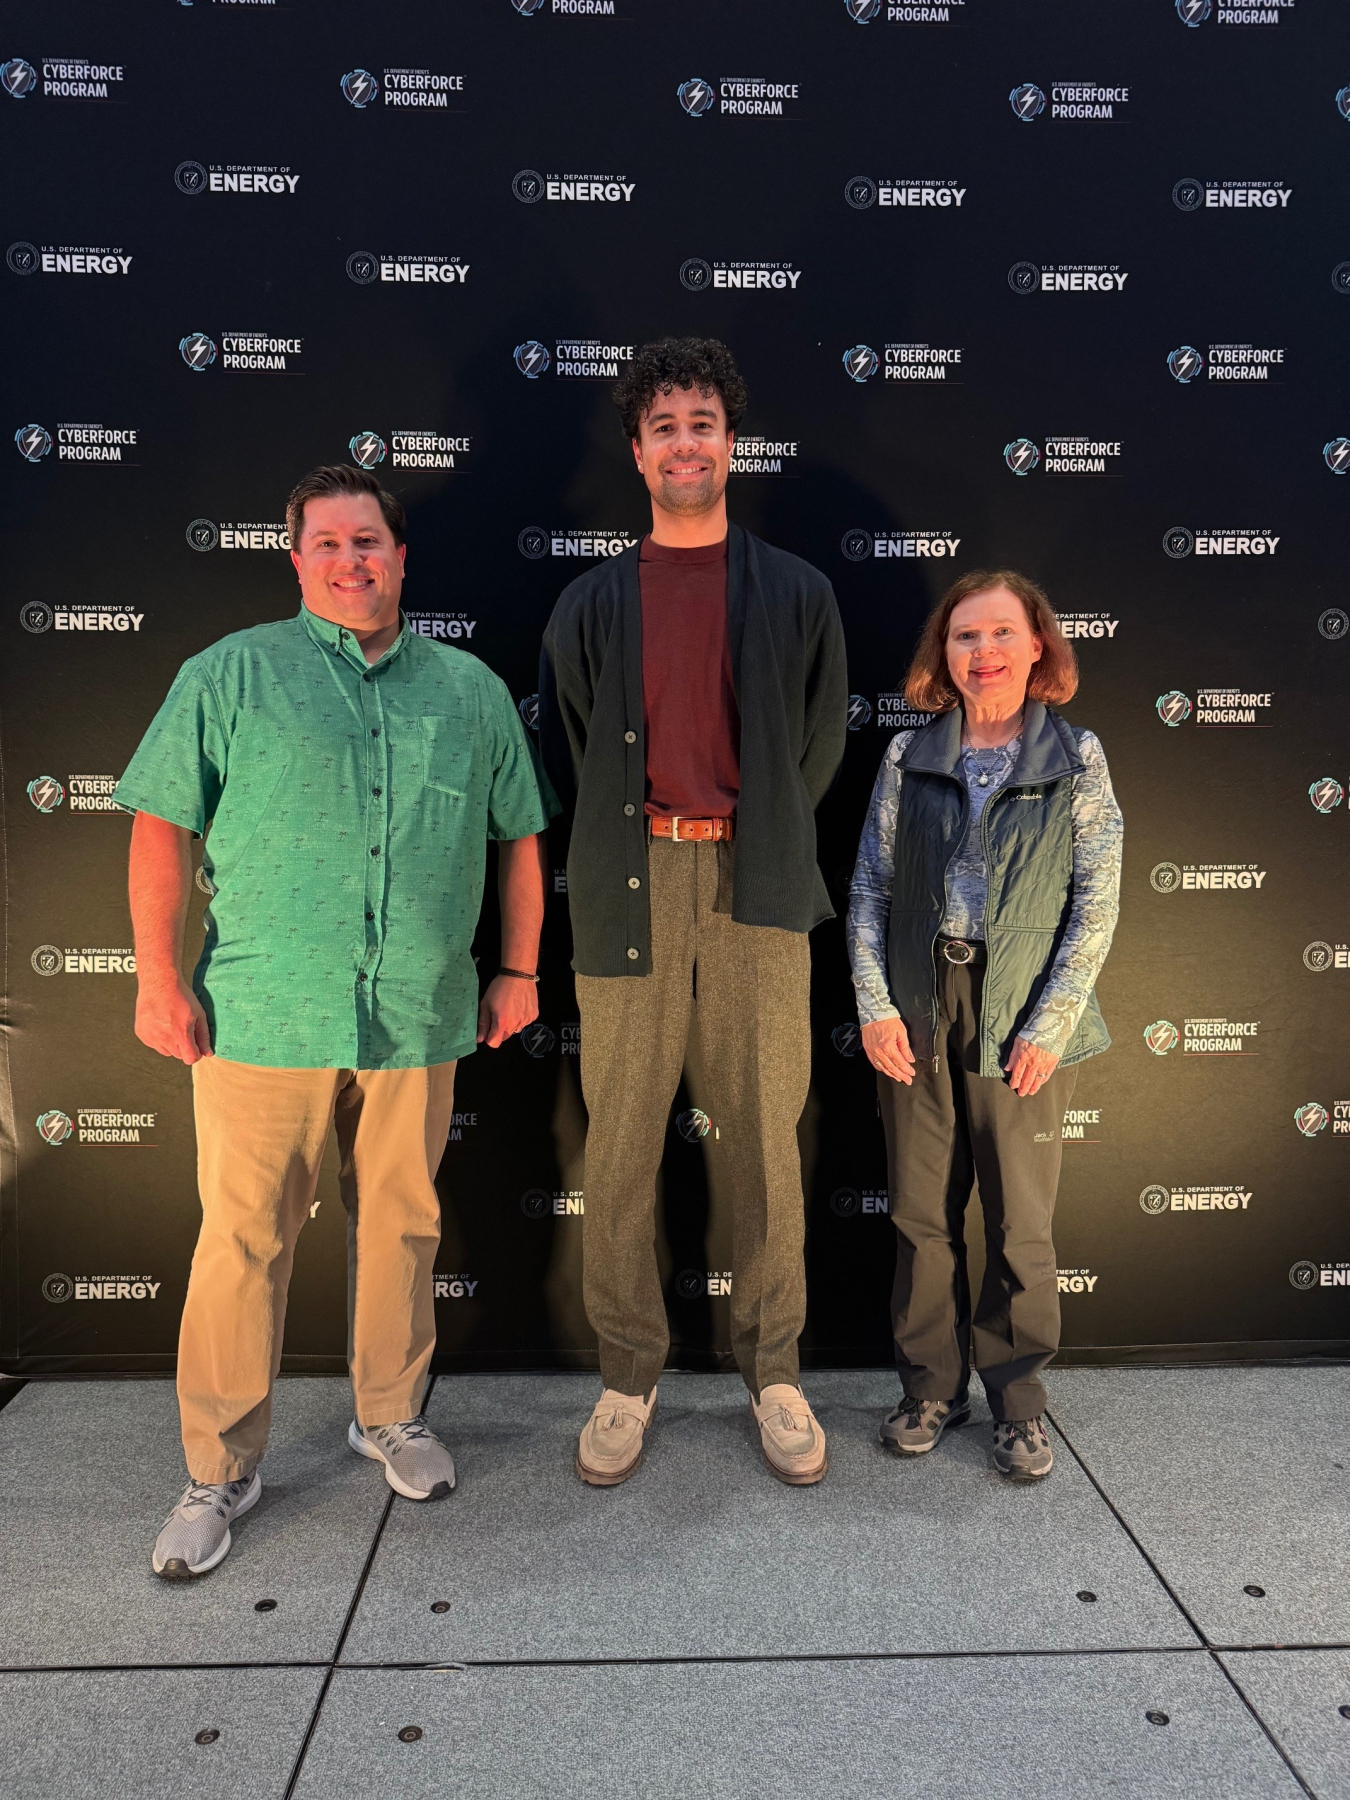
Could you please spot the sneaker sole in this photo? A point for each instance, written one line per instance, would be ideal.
(175, 1569)
(606, 1478)
(950, 1423)
(1028, 1477)
(364, 1447)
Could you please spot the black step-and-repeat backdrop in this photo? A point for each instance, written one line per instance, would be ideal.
(1028, 282)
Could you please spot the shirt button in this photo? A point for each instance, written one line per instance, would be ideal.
(633, 881)
(361, 977)
(377, 792)
(630, 737)
(367, 676)
(374, 731)
(629, 809)
(632, 954)
(370, 918)
(374, 849)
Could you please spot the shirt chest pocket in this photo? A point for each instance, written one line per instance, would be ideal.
(447, 752)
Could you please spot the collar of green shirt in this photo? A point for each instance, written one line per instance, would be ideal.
(341, 641)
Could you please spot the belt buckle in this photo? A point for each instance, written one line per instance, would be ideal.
(952, 946)
(675, 829)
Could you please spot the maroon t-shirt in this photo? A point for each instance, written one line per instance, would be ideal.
(689, 708)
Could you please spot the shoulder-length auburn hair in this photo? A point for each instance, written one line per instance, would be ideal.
(1053, 679)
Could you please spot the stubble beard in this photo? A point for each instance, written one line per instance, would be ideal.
(689, 499)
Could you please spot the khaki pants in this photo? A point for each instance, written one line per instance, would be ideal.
(260, 1140)
(747, 989)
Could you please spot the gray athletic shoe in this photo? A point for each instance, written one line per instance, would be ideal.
(916, 1425)
(416, 1462)
(1022, 1449)
(196, 1534)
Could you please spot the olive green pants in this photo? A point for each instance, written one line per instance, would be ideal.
(746, 990)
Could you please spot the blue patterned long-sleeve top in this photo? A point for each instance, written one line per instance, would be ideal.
(1098, 831)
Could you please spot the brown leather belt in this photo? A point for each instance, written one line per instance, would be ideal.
(692, 831)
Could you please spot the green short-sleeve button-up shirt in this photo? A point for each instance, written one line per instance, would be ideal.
(349, 807)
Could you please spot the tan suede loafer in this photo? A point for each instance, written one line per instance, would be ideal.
(794, 1444)
(611, 1444)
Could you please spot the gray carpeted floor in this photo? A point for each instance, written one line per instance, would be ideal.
(902, 1630)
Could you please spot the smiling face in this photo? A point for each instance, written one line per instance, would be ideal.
(683, 451)
(350, 568)
(990, 650)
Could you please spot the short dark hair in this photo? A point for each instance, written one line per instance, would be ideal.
(341, 478)
(1054, 679)
(671, 363)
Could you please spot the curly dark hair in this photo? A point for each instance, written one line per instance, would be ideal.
(671, 363)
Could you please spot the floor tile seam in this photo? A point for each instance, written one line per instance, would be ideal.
(1130, 1533)
(459, 1666)
(1269, 1731)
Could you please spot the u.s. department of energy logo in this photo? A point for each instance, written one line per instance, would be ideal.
(1334, 624)
(535, 1203)
(1336, 455)
(1027, 102)
(861, 362)
(1024, 278)
(46, 793)
(1326, 794)
(528, 186)
(1318, 957)
(363, 267)
(693, 1125)
(695, 274)
(532, 359)
(1311, 1118)
(861, 192)
(33, 442)
(54, 1127)
(197, 350)
(1155, 1199)
(1161, 1036)
(58, 1289)
(1185, 363)
(190, 178)
(845, 1202)
(23, 258)
(47, 959)
(360, 88)
(533, 542)
(690, 1283)
(696, 96)
(1179, 542)
(1021, 456)
(18, 78)
(1164, 878)
(537, 1040)
(1173, 707)
(366, 449)
(203, 534)
(1303, 1275)
(1188, 194)
(36, 617)
(857, 545)
(1194, 12)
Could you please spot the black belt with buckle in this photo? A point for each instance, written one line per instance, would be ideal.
(960, 951)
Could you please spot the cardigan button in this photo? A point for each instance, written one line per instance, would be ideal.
(632, 954)
(633, 881)
(630, 737)
(629, 809)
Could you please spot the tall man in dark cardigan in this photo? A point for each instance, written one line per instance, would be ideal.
(693, 700)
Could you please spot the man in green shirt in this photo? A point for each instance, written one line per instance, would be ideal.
(350, 773)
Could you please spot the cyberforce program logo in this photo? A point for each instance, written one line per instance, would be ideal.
(861, 362)
(18, 78)
(528, 708)
(1079, 456)
(1021, 456)
(1161, 1036)
(197, 350)
(1343, 102)
(1195, 13)
(1068, 100)
(1185, 363)
(1326, 794)
(763, 456)
(696, 96)
(366, 449)
(360, 88)
(54, 1127)
(905, 12)
(1225, 706)
(46, 793)
(694, 1125)
(859, 711)
(33, 442)
(1204, 1037)
(847, 1039)
(532, 359)
(1336, 455)
(537, 1040)
(1312, 1118)
(1173, 707)
(1027, 102)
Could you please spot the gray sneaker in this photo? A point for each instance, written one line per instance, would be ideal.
(916, 1425)
(416, 1462)
(1022, 1449)
(196, 1534)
